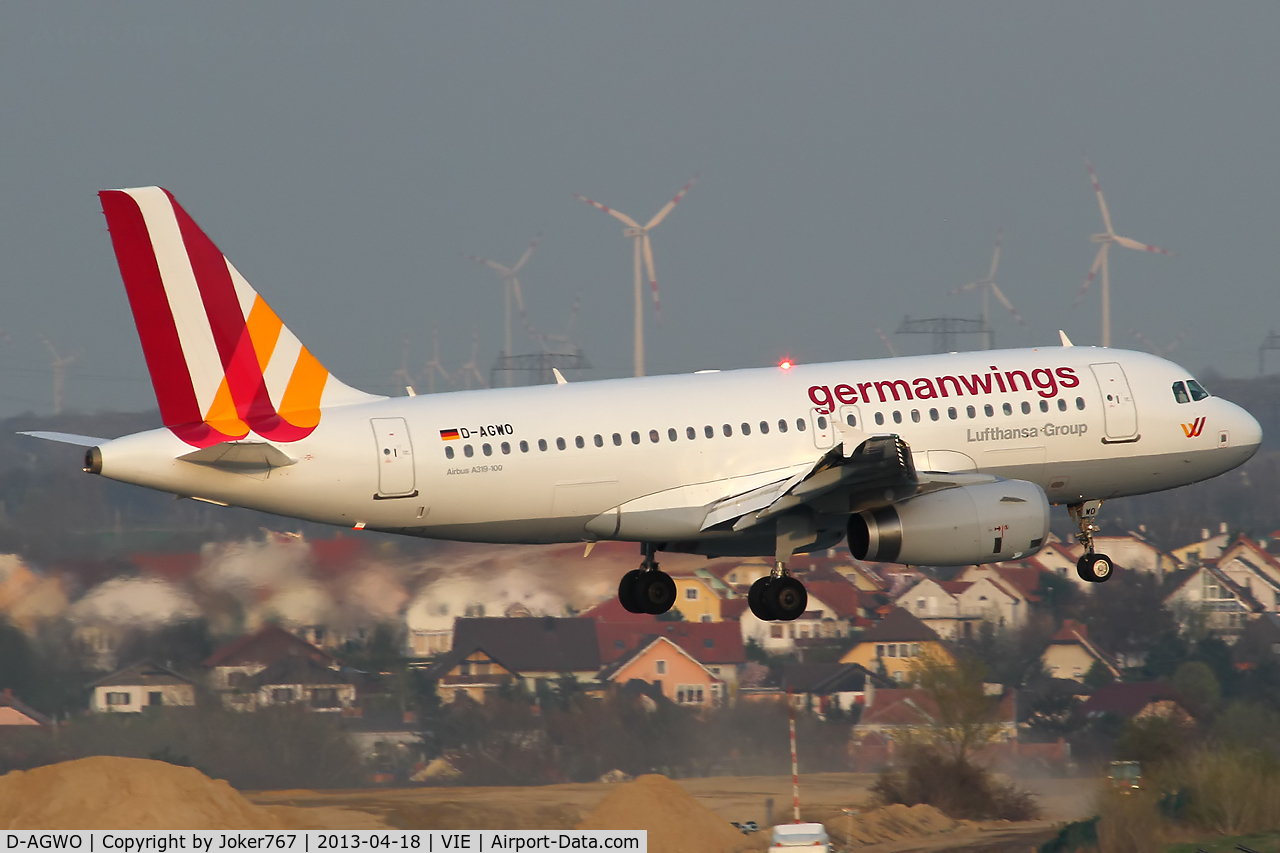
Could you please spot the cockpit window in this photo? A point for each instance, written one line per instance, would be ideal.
(1180, 393)
(1197, 393)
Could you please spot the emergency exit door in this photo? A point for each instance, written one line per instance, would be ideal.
(1118, 408)
(395, 458)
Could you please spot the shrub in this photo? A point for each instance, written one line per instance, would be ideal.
(1229, 791)
(1129, 822)
(954, 785)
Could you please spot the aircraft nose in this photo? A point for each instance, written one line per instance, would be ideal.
(1245, 430)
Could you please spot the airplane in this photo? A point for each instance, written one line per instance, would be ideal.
(929, 460)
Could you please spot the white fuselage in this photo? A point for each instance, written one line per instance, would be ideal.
(681, 445)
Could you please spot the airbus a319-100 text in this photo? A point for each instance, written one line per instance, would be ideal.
(933, 460)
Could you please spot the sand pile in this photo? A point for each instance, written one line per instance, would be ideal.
(891, 823)
(677, 822)
(104, 792)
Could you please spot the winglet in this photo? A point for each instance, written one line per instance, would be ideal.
(560, 380)
(1066, 342)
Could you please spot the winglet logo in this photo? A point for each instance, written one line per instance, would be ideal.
(221, 361)
(1193, 429)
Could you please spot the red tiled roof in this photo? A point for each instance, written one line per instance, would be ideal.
(954, 587)
(613, 611)
(899, 626)
(267, 646)
(1070, 632)
(705, 642)
(840, 595)
(733, 608)
(1025, 579)
(1126, 699)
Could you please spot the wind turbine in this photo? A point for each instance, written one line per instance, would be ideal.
(989, 287)
(402, 373)
(434, 368)
(643, 250)
(1163, 351)
(60, 365)
(1100, 260)
(510, 286)
(470, 371)
(888, 344)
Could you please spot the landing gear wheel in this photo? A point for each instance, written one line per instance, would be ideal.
(1094, 568)
(786, 597)
(627, 591)
(654, 591)
(756, 599)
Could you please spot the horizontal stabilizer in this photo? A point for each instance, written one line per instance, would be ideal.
(67, 438)
(240, 456)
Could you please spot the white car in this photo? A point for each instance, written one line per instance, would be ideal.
(811, 836)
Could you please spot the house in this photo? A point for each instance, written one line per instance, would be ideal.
(1135, 700)
(471, 673)
(894, 643)
(822, 621)
(1070, 655)
(895, 715)
(1060, 560)
(1206, 597)
(233, 665)
(1011, 606)
(661, 662)
(543, 647)
(144, 685)
(954, 609)
(1210, 547)
(301, 681)
(1133, 551)
(699, 594)
(15, 712)
(716, 645)
(828, 686)
(1253, 567)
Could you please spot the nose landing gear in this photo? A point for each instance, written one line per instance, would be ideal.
(1092, 567)
(647, 589)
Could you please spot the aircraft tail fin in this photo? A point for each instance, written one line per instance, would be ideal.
(222, 363)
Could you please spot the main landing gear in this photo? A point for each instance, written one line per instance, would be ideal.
(647, 589)
(777, 596)
(1092, 567)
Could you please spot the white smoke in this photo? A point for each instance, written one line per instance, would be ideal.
(145, 603)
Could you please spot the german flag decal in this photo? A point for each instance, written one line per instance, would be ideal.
(449, 435)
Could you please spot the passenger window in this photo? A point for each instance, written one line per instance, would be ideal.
(653, 436)
(560, 445)
(764, 427)
(1180, 393)
(691, 433)
(524, 446)
(617, 439)
(879, 418)
(971, 411)
(1044, 405)
(822, 422)
(709, 431)
(851, 419)
(467, 451)
(506, 449)
(1008, 409)
(1197, 393)
(897, 416)
(782, 426)
(746, 429)
(915, 416)
(448, 452)
(599, 440)
(635, 437)
(933, 414)
(728, 430)
(579, 443)
(951, 413)
(1080, 403)
(542, 444)
(487, 448)
(988, 411)
(1026, 407)
(800, 424)
(1062, 404)
(671, 434)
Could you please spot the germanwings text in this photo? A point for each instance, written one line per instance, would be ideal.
(1044, 381)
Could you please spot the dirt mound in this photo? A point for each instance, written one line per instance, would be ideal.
(104, 792)
(891, 823)
(677, 823)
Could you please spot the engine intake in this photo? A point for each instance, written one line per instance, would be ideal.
(967, 525)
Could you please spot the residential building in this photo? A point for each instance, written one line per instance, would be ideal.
(233, 666)
(827, 686)
(893, 644)
(716, 645)
(1209, 547)
(15, 712)
(678, 674)
(542, 647)
(895, 715)
(699, 594)
(1070, 655)
(471, 673)
(1135, 700)
(821, 622)
(143, 685)
(299, 681)
(1207, 598)
(954, 609)
(1253, 567)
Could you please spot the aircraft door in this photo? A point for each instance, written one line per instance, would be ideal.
(395, 458)
(851, 417)
(823, 434)
(1118, 408)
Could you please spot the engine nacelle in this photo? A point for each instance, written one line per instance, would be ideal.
(985, 523)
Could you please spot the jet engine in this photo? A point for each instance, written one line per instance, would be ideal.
(965, 525)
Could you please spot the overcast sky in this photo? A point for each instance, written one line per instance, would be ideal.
(855, 162)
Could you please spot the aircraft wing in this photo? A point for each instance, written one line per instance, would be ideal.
(877, 472)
